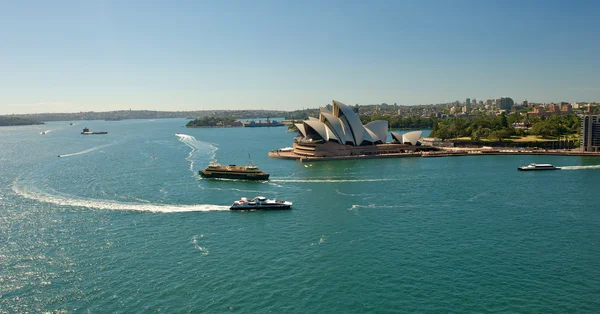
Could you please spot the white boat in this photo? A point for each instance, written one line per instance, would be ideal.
(538, 167)
(259, 202)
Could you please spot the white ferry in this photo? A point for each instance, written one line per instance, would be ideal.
(538, 167)
(259, 202)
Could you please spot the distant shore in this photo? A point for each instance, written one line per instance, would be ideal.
(15, 121)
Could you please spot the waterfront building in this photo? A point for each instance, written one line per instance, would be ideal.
(590, 133)
(340, 133)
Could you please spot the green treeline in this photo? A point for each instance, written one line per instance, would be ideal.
(211, 122)
(8, 120)
(500, 127)
(401, 122)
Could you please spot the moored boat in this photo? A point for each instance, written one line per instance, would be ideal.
(532, 167)
(217, 171)
(259, 202)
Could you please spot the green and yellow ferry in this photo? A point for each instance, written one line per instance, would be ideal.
(217, 171)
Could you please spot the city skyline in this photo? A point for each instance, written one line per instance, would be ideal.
(102, 56)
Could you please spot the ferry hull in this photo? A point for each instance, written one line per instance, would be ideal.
(538, 169)
(235, 176)
(261, 207)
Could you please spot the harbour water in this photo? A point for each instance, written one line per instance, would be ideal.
(107, 228)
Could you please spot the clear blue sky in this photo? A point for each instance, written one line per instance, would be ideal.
(70, 56)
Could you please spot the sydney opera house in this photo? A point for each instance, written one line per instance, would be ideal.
(340, 132)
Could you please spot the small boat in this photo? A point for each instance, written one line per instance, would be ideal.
(531, 167)
(86, 131)
(43, 133)
(259, 202)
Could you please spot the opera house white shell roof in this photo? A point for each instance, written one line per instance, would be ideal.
(407, 138)
(342, 125)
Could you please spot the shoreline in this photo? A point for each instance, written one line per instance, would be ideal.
(444, 153)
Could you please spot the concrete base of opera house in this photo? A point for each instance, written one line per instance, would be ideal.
(334, 151)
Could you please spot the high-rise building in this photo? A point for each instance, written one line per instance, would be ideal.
(468, 101)
(505, 103)
(590, 133)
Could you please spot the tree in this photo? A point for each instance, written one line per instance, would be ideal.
(503, 121)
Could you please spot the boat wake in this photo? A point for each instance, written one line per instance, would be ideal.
(373, 206)
(580, 167)
(89, 150)
(232, 189)
(197, 146)
(350, 194)
(329, 180)
(64, 200)
(197, 246)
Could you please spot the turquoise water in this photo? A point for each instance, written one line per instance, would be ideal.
(107, 228)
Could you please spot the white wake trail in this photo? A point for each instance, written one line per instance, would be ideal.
(114, 205)
(330, 180)
(580, 167)
(196, 145)
(86, 151)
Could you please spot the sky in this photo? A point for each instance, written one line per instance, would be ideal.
(72, 56)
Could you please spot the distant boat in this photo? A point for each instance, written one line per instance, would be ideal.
(260, 202)
(532, 167)
(43, 133)
(86, 131)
